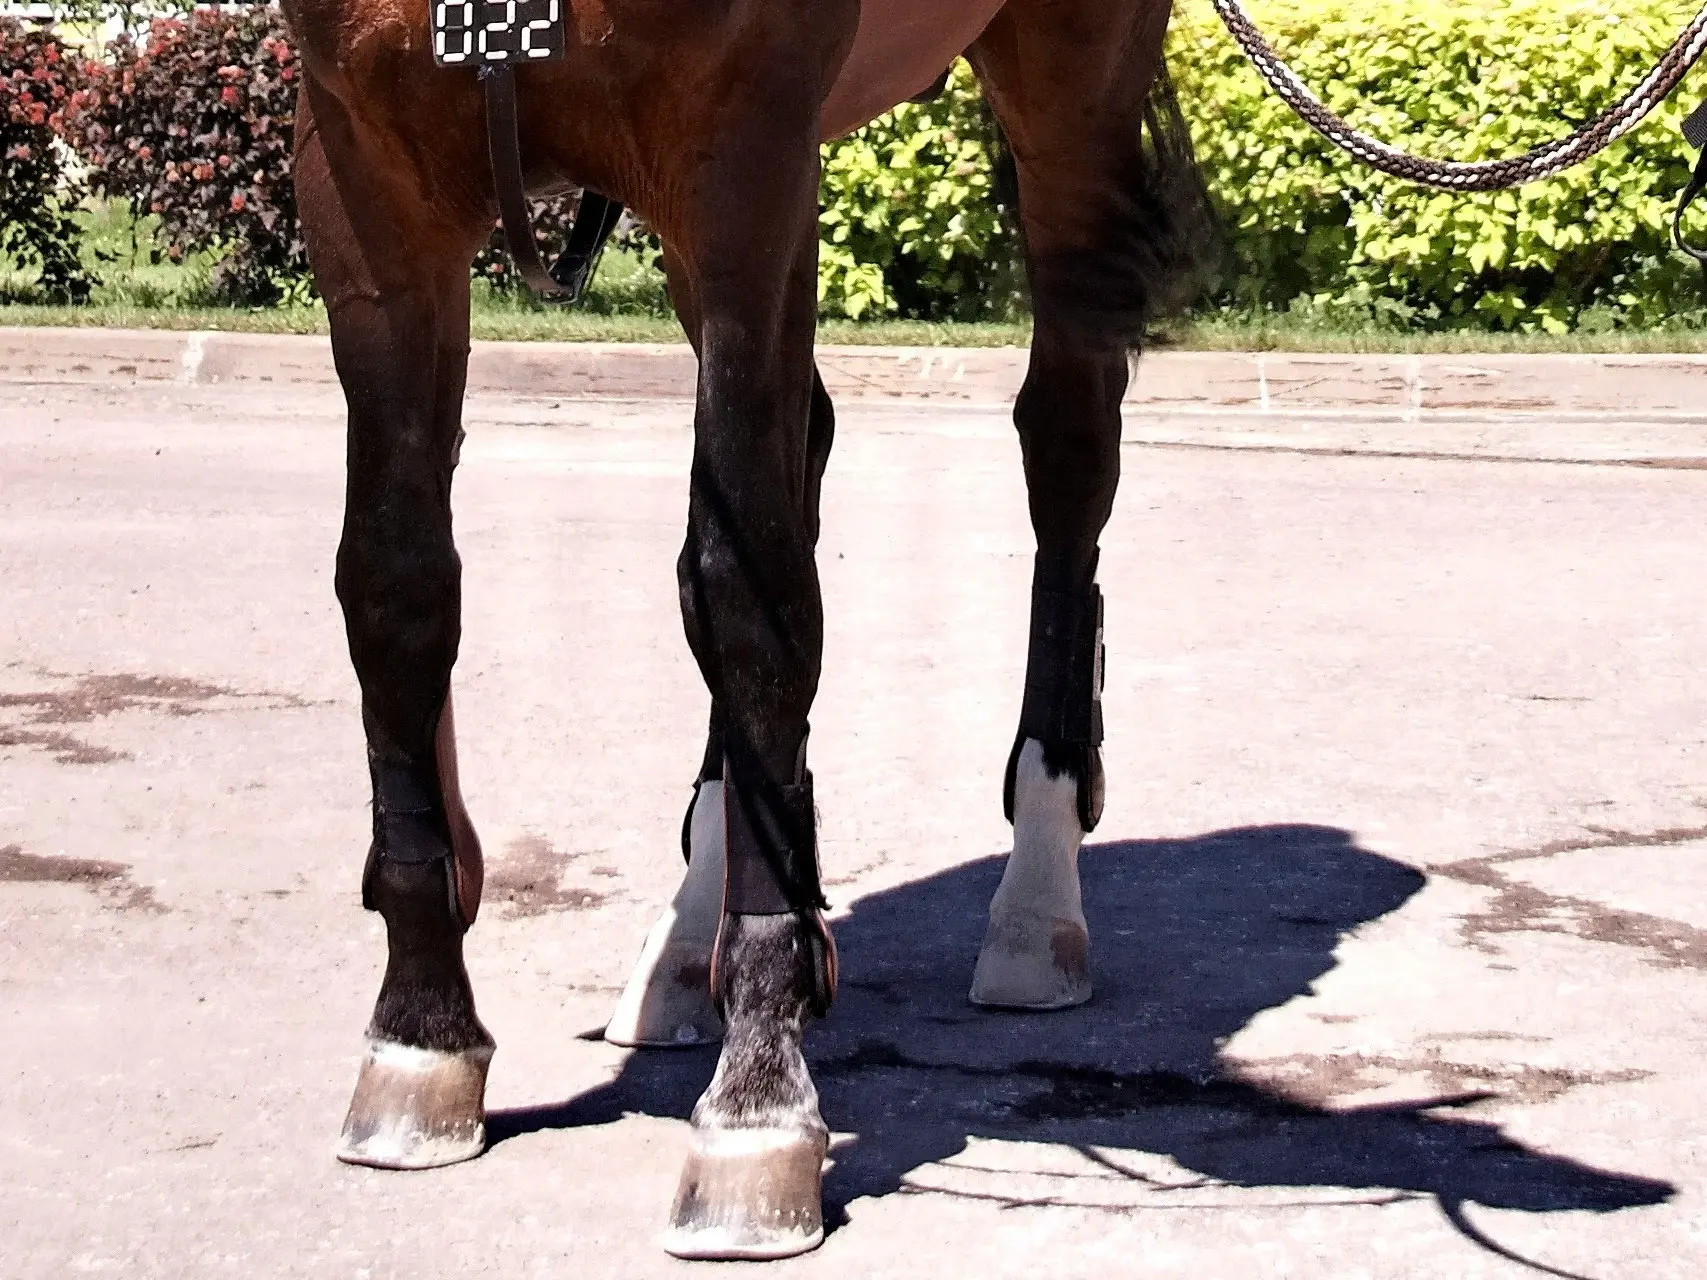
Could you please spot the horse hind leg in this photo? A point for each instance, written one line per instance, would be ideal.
(668, 1002)
(1105, 213)
(396, 289)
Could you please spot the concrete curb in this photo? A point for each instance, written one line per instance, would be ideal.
(1397, 389)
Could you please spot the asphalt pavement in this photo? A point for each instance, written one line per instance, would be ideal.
(1398, 911)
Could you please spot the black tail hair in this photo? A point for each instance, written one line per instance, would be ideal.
(1160, 249)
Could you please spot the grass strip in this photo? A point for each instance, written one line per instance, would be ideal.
(501, 321)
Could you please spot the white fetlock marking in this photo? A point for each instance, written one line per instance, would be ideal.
(1034, 954)
(668, 1000)
(743, 1143)
(407, 1058)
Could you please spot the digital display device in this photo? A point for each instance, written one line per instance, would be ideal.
(473, 33)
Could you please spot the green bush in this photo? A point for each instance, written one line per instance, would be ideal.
(37, 195)
(909, 223)
(1311, 229)
(196, 130)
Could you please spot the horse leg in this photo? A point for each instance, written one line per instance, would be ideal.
(1069, 82)
(747, 242)
(668, 1001)
(396, 287)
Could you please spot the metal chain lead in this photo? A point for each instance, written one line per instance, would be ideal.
(1482, 175)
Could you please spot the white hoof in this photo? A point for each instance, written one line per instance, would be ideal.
(667, 1003)
(1036, 948)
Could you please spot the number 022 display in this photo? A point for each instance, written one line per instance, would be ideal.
(478, 32)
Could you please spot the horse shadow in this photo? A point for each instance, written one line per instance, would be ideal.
(1191, 939)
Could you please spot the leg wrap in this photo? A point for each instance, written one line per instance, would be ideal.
(1063, 670)
(1063, 694)
(409, 824)
(772, 847)
(771, 842)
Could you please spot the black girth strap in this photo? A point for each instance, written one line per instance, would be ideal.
(594, 220)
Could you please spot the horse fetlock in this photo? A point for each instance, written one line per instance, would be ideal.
(1036, 949)
(667, 1002)
(416, 1108)
(752, 1183)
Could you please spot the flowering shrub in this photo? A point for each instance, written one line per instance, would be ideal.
(194, 126)
(37, 80)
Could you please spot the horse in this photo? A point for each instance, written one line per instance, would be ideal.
(707, 119)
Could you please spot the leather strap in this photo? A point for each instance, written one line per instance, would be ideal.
(409, 825)
(1697, 182)
(594, 220)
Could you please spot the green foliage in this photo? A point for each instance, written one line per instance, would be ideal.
(909, 223)
(1313, 231)
(193, 126)
(37, 193)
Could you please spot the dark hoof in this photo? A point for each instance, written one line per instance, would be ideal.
(749, 1194)
(416, 1108)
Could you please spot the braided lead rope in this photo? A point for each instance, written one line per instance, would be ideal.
(1482, 175)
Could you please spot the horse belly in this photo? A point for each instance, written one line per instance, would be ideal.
(902, 46)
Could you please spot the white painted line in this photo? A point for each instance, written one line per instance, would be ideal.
(191, 364)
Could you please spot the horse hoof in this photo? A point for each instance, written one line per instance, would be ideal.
(749, 1194)
(667, 1003)
(416, 1108)
(1032, 962)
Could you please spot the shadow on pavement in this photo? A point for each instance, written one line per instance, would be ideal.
(1191, 939)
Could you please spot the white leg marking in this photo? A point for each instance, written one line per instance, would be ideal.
(1034, 954)
(190, 363)
(668, 1000)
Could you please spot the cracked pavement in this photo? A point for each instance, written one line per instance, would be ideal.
(1398, 912)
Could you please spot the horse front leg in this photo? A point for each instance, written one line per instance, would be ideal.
(396, 287)
(751, 1185)
(667, 1002)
